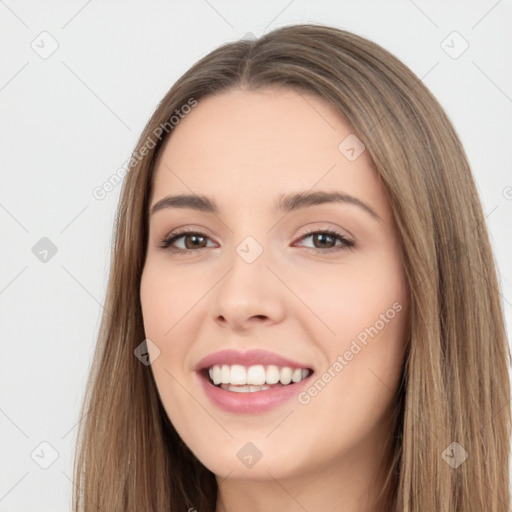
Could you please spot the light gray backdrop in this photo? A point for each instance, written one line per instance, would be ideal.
(78, 80)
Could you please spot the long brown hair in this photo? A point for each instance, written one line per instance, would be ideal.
(455, 385)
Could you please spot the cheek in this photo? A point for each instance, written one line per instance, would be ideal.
(352, 298)
(153, 300)
(165, 299)
(169, 300)
(162, 308)
(366, 309)
(366, 356)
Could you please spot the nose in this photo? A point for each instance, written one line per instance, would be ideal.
(249, 295)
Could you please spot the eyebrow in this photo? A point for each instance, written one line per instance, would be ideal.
(284, 204)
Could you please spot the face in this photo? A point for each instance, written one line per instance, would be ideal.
(314, 287)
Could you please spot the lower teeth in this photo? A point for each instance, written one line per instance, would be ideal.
(243, 389)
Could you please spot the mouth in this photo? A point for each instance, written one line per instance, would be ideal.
(251, 382)
(253, 379)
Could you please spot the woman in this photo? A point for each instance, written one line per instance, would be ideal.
(303, 310)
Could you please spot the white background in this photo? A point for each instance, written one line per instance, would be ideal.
(69, 121)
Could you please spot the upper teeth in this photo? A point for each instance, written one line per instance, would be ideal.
(239, 375)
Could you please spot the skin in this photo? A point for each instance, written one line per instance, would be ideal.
(244, 149)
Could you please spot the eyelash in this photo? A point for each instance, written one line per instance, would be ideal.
(345, 242)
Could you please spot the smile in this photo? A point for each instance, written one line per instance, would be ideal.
(241, 379)
(252, 398)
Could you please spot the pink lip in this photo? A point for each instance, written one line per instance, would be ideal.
(252, 402)
(249, 358)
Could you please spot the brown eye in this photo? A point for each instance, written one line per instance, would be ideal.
(326, 240)
(192, 240)
(195, 241)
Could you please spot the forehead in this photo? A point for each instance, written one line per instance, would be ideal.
(258, 144)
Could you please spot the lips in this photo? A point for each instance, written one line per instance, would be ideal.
(256, 401)
(249, 358)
